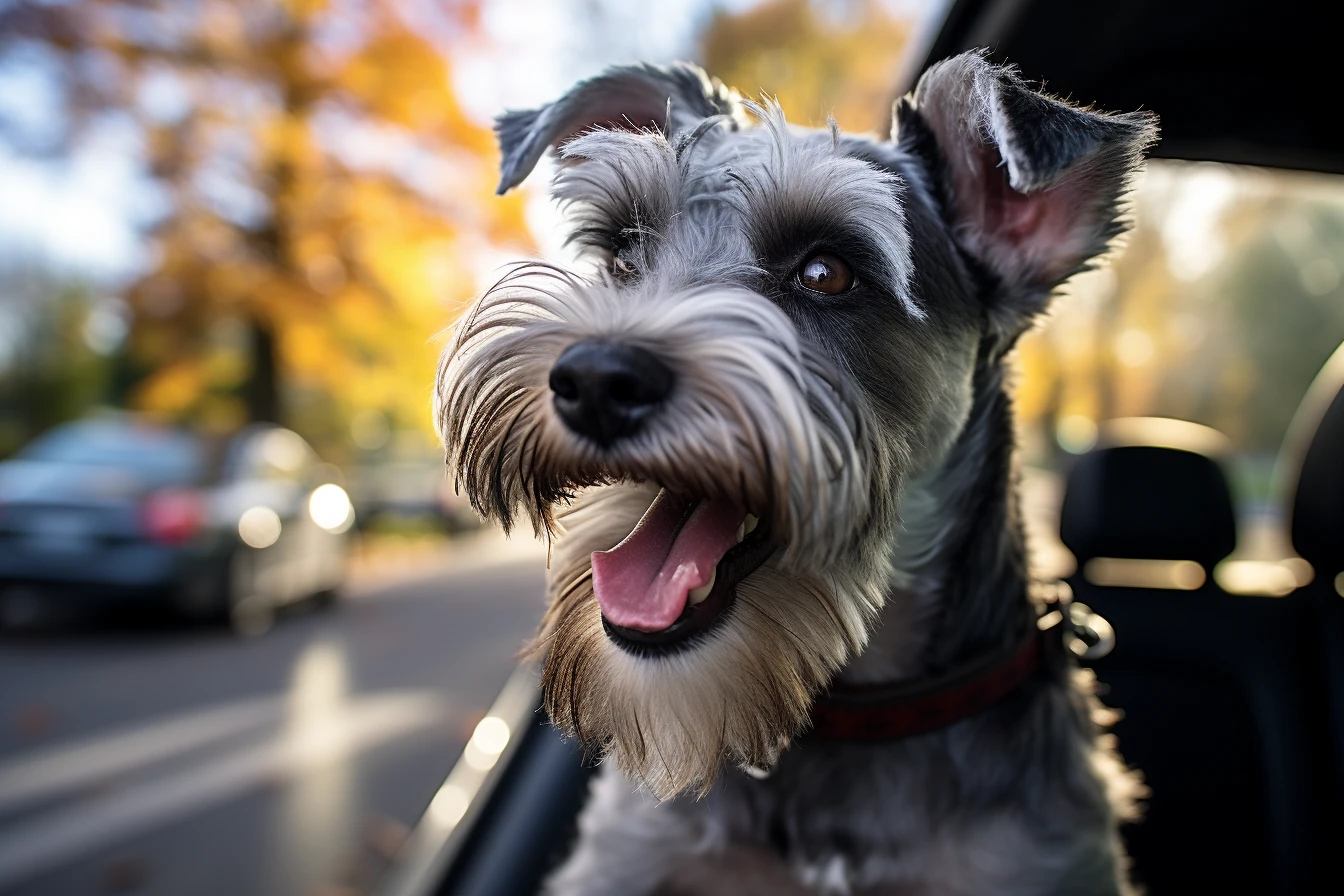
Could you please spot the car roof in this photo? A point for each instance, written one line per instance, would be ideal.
(1231, 80)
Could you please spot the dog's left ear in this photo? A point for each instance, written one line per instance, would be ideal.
(1033, 185)
(671, 99)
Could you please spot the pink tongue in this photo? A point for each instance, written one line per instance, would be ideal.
(642, 582)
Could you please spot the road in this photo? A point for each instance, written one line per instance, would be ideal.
(184, 762)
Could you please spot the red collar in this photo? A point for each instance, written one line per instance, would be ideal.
(893, 711)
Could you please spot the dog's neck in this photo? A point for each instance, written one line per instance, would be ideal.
(961, 582)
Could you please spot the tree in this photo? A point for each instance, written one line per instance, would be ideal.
(54, 338)
(325, 197)
(842, 62)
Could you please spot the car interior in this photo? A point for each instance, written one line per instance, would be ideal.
(1215, 690)
(1231, 704)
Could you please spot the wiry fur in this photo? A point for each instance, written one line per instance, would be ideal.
(672, 724)
(872, 433)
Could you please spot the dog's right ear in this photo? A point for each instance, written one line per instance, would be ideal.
(630, 97)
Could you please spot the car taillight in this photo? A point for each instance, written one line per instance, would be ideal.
(172, 517)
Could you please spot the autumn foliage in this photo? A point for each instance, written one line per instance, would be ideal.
(842, 62)
(327, 203)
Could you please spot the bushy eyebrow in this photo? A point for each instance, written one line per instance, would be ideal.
(798, 189)
(615, 182)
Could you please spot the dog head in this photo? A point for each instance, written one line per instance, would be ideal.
(778, 330)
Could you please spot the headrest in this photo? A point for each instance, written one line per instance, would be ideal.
(1315, 444)
(1153, 489)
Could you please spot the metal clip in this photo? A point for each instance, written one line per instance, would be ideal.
(1088, 635)
(1092, 636)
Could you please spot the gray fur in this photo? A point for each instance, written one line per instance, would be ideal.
(872, 431)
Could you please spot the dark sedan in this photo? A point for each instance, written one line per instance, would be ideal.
(110, 512)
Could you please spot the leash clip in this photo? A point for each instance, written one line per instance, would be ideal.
(1086, 633)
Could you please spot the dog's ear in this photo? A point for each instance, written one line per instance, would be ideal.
(634, 97)
(1033, 185)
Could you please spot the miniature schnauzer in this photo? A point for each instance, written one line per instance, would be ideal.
(769, 430)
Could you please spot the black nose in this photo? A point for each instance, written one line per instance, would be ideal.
(605, 390)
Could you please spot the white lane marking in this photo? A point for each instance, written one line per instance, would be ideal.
(41, 842)
(92, 760)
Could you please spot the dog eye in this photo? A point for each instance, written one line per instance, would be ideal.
(826, 273)
(622, 262)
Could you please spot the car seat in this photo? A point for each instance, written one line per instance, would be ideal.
(1215, 688)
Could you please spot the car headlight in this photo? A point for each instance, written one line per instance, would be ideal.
(330, 508)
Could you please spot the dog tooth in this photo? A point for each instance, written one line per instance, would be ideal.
(749, 524)
(741, 531)
(698, 595)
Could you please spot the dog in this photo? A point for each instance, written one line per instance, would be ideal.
(767, 426)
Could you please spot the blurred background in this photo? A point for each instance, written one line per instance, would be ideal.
(245, 624)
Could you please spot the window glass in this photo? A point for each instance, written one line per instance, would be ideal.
(162, 455)
(1220, 308)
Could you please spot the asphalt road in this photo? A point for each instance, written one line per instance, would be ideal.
(165, 761)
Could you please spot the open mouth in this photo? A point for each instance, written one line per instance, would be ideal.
(676, 573)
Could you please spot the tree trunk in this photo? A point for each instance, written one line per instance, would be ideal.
(262, 392)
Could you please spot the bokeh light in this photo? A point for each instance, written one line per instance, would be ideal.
(259, 527)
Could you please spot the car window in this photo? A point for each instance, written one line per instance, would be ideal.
(161, 455)
(1220, 307)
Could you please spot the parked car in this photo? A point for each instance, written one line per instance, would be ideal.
(116, 511)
